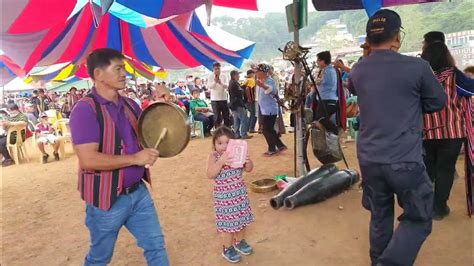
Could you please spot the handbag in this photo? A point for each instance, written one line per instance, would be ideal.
(325, 144)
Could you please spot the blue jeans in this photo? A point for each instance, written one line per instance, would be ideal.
(137, 212)
(241, 122)
(253, 117)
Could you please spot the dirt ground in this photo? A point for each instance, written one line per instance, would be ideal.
(43, 217)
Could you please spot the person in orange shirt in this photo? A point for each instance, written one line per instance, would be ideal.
(249, 85)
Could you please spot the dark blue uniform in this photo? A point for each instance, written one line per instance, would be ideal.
(393, 91)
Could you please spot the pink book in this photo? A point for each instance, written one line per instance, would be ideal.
(237, 149)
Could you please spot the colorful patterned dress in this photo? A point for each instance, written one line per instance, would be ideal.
(231, 201)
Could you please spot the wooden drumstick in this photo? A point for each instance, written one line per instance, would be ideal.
(162, 136)
(158, 141)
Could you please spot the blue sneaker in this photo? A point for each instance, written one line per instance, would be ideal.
(231, 255)
(243, 247)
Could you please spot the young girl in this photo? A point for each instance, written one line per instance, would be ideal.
(231, 202)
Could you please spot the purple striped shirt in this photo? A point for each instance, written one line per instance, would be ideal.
(85, 129)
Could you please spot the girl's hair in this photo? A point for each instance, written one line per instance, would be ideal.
(438, 55)
(221, 131)
(469, 69)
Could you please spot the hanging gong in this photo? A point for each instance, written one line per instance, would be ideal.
(154, 119)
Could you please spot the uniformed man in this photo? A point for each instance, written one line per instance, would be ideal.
(393, 91)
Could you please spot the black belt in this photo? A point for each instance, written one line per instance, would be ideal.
(132, 188)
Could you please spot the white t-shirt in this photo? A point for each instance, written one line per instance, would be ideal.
(218, 90)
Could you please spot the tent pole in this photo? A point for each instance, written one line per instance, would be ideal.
(298, 116)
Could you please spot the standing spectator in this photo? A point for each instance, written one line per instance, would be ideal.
(280, 124)
(237, 105)
(218, 83)
(72, 97)
(267, 91)
(253, 66)
(445, 130)
(310, 97)
(201, 112)
(249, 85)
(34, 101)
(327, 87)
(393, 87)
(42, 101)
(65, 109)
(15, 118)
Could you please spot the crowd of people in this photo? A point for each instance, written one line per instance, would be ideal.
(415, 114)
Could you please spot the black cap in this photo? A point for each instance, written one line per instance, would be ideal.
(263, 67)
(216, 64)
(434, 36)
(250, 72)
(234, 72)
(383, 22)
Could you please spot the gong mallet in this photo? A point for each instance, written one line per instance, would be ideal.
(158, 141)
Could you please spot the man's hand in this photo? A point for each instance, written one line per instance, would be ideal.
(338, 64)
(260, 83)
(146, 156)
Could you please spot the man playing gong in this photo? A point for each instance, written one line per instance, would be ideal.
(112, 164)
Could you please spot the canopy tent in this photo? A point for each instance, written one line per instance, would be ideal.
(69, 71)
(181, 42)
(9, 70)
(32, 16)
(66, 86)
(17, 85)
(371, 6)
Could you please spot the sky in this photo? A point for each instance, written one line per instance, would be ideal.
(264, 6)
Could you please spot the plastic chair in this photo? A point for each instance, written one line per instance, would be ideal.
(53, 115)
(18, 148)
(196, 124)
(351, 122)
(63, 132)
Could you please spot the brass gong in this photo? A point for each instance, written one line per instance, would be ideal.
(154, 119)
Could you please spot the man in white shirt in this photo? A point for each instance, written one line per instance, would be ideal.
(218, 84)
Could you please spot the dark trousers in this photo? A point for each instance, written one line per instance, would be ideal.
(440, 160)
(331, 107)
(208, 122)
(186, 105)
(3, 148)
(253, 117)
(273, 141)
(414, 190)
(221, 112)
